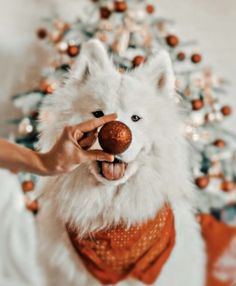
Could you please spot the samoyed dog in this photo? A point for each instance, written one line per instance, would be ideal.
(79, 209)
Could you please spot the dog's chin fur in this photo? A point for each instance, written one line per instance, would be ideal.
(157, 170)
(90, 205)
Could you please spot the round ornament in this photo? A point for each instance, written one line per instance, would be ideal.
(115, 137)
(172, 41)
(32, 206)
(220, 143)
(105, 12)
(226, 110)
(150, 9)
(227, 186)
(73, 50)
(196, 58)
(27, 186)
(197, 104)
(181, 56)
(120, 6)
(138, 60)
(202, 182)
(42, 33)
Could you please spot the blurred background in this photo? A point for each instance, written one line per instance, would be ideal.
(211, 23)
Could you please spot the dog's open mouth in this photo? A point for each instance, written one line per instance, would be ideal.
(112, 171)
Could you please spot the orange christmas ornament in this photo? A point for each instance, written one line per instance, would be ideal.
(105, 12)
(73, 50)
(197, 104)
(150, 9)
(227, 186)
(220, 143)
(32, 206)
(115, 137)
(226, 110)
(42, 33)
(27, 186)
(202, 182)
(172, 41)
(196, 58)
(138, 60)
(120, 6)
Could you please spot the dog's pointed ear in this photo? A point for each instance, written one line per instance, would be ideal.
(158, 69)
(93, 59)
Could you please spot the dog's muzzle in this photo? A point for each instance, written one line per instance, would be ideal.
(112, 171)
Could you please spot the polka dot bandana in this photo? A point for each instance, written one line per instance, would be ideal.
(139, 251)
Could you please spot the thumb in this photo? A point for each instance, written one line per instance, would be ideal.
(98, 155)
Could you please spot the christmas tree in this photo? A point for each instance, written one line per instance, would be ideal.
(132, 31)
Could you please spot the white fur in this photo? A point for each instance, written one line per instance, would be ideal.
(157, 167)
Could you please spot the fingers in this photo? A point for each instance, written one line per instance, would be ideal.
(95, 123)
(98, 155)
(87, 141)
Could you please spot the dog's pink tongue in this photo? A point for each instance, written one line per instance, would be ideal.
(113, 171)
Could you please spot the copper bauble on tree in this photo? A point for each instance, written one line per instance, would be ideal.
(120, 6)
(202, 182)
(115, 137)
(197, 104)
(73, 50)
(181, 56)
(27, 186)
(32, 206)
(150, 8)
(219, 143)
(105, 12)
(172, 41)
(227, 186)
(196, 58)
(226, 110)
(42, 33)
(138, 60)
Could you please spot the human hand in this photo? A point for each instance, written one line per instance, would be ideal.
(72, 147)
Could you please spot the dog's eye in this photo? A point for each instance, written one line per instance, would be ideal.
(98, 113)
(135, 118)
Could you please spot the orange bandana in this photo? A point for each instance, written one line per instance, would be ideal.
(140, 251)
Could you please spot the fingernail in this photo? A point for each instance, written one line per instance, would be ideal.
(112, 158)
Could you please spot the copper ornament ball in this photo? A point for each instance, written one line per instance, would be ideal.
(27, 186)
(172, 41)
(115, 137)
(120, 6)
(105, 12)
(219, 143)
(150, 9)
(138, 60)
(196, 58)
(73, 50)
(227, 186)
(42, 33)
(32, 206)
(197, 104)
(181, 56)
(202, 182)
(226, 110)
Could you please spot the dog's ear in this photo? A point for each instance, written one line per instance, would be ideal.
(93, 59)
(158, 69)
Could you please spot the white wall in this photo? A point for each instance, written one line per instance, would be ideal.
(211, 22)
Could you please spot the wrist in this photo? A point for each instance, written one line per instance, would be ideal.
(48, 166)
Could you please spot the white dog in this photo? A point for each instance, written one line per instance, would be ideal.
(153, 172)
